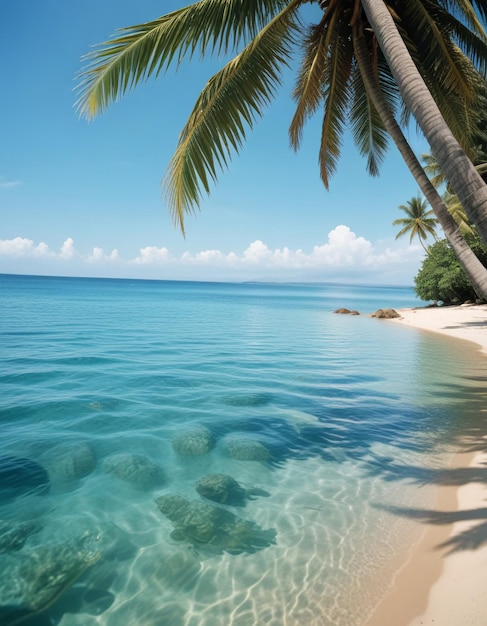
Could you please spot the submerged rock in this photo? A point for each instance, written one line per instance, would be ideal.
(385, 314)
(32, 580)
(135, 469)
(193, 441)
(249, 399)
(201, 523)
(19, 476)
(13, 534)
(244, 448)
(224, 489)
(71, 461)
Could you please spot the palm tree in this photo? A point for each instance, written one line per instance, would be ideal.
(459, 170)
(453, 228)
(418, 222)
(269, 30)
(235, 96)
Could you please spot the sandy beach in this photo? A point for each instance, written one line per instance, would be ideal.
(443, 583)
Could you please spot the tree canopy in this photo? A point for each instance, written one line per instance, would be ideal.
(441, 277)
(445, 40)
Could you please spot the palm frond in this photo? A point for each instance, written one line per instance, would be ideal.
(308, 91)
(230, 102)
(336, 96)
(465, 10)
(138, 52)
(472, 45)
(368, 129)
(424, 25)
(458, 213)
(481, 7)
(432, 168)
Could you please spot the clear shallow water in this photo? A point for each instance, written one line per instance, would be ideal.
(347, 410)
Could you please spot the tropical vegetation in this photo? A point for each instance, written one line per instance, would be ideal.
(442, 279)
(418, 222)
(364, 62)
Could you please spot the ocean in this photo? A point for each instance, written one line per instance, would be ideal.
(216, 454)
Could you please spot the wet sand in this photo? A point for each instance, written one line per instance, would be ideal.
(443, 582)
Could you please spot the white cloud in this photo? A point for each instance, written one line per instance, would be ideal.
(344, 256)
(98, 256)
(22, 247)
(152, 255)
(67, 249)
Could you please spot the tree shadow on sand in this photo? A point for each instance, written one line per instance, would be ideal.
(468, 436)
(469, 539)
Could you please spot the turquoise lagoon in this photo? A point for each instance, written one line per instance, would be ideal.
(331, 424)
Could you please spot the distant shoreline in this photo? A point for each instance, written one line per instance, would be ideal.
(437, 586)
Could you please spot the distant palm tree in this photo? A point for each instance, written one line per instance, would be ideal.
(418, 222)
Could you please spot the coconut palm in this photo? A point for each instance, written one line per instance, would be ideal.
(459, 170)
(267, 32)
(458, 213)
(418, 222)
(369, 72)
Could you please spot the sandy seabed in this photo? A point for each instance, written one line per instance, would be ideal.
(441, 584)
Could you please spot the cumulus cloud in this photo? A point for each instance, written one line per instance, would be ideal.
(343, 256)
(152, 255)
(98, 256)
(343, 249)
(22, 247)
(67, 249)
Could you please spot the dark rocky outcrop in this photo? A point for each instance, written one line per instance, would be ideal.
(224, 489)
(136, 469)
(204, 524)
(193, 441)
(385, 314)
(344, 311)
(31, 580)
(244, 448)
(69, 461)
(14, 534)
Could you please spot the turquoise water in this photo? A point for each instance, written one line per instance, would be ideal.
(118, 393)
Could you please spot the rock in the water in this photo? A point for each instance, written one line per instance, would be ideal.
(71, 461)
(245, 449)
(19, 476)
(193, 441)
(31, 580)
(135, 469)
(343, 311)
(224, 489)
(13, 535)
(202, 524)
(249, 399)
(385, 314)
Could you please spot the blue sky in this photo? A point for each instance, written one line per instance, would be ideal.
(82, 198)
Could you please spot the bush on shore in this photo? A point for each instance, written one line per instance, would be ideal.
(441, 277)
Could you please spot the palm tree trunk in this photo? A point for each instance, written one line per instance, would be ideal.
(465, 180)
(473, 268)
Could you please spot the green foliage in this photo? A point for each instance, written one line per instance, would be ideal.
(445, 39)
(418, 222)
(441, 277)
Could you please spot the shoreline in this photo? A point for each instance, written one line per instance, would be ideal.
(442, 581)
